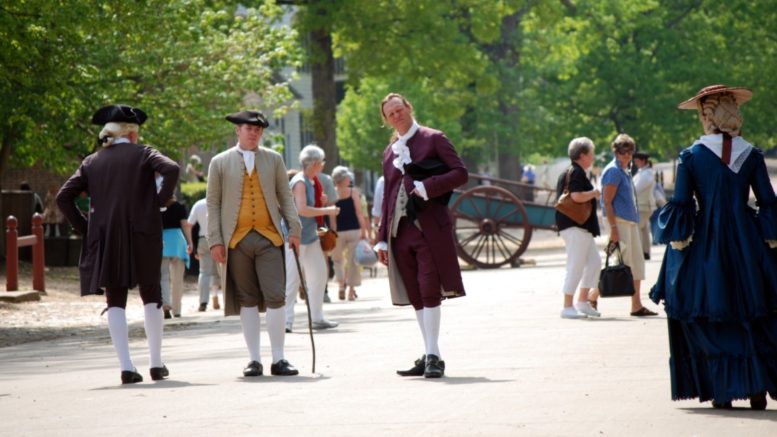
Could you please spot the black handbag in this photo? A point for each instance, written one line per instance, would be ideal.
(615, 280)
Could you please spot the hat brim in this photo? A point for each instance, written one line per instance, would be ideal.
(741, 95)
(248, 120)
(119, 114)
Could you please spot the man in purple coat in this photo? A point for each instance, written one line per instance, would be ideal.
(415, 238)
(122, 234)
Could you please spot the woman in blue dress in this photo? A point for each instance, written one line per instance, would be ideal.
(718, 279)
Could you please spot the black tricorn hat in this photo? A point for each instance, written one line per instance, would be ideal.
(118, 114)
(255, 118)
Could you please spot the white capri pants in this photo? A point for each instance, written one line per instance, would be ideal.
(313, 263)
(583, 260)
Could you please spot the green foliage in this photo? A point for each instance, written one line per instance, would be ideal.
(185, 63)
(613, 67)
(192, 192)
(524, 77)
(424, 49)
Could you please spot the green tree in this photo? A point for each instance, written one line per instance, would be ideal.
(186, 62)
(426, 50)
(606, 67)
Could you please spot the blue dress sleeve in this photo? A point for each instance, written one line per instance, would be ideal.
(767, 201)
(676, 218)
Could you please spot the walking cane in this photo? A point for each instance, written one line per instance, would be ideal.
(307, 305)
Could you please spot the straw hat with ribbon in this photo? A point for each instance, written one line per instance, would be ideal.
(741, 95)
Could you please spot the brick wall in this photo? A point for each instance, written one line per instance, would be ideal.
(40, 179)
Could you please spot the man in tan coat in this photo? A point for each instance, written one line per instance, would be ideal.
(248, 194)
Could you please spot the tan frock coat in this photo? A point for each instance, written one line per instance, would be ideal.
(225, 187)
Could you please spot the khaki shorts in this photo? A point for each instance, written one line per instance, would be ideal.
(631, 247)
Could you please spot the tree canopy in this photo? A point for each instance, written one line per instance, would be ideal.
(185, 62)
(504, 79)
(542, 73)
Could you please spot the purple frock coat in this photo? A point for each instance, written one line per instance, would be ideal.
(435, 219)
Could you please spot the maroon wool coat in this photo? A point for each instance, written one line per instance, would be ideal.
(122, 237)
(435, 219)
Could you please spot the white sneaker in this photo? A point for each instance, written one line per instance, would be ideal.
(571, 313)
(587, 309)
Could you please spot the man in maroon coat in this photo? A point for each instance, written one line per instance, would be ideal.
(122, 234)
(415, 237)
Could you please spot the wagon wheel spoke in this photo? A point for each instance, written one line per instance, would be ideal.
(493, 247)
(502, 246)
(461, 215)
(488, 249)
(475, 206)
(504, 251)
(499, 206)
(507, 236)
(468, 228)
(479, 247)
(509, 213)
(467, 240)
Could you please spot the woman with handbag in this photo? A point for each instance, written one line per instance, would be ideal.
(311, 256)
(578, 230)
(619, 206)
(718, 279)
(351, 228)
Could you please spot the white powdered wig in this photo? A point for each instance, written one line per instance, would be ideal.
(114, 130)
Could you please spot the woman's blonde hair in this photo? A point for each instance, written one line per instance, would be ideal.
(720, 113)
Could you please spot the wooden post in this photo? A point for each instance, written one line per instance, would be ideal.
(12, 244)
(38, 279)
(11, 255)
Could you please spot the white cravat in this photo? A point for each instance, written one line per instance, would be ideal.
(248, 158)
(400, 149)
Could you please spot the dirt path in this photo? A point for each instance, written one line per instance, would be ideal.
(61, 312)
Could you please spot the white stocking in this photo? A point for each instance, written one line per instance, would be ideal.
(249, 318)
(117, 326)
(432, 329)
(419, 315)
(153, 323)
(276, 328)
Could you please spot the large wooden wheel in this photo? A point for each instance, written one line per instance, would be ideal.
(491, 225)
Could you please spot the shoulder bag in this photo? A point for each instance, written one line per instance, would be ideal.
(328, 238)
(576, 211)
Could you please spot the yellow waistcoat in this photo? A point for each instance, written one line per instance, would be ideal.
(254, 213)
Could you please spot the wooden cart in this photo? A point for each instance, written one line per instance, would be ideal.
(494, 220)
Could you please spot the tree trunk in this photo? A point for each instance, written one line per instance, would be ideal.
(322, 63)
(5, 152)
(506, 53)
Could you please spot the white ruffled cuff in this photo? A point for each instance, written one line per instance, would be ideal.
(772, 243)
(421, 189)
(380, 245)
(680, 245)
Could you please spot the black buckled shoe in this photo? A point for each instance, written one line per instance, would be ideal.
(283, 368)
(435, 368)
(416, 370)
(130, 377)
(159, 373)
(254, 368)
